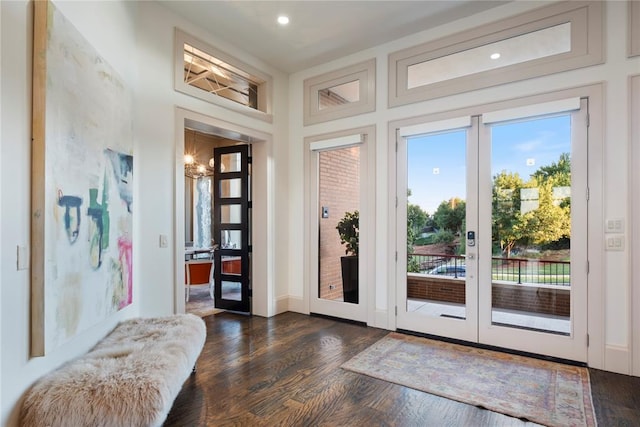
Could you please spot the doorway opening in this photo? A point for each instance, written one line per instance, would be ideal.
(217, 220)
(216, 163)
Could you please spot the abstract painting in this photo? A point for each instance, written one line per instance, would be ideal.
(82, 185)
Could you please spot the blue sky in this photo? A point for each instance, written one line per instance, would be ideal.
(437, 168)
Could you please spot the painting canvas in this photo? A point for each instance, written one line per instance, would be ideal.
(82, 172)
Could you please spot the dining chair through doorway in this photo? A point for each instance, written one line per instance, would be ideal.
(198, 272)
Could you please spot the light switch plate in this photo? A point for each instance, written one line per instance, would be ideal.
(23, 258)
(163, 241)
(615, 243)
(614, 225)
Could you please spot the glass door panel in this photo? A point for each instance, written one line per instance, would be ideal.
(231, 187)
(531, 224)
(231, 214)
(339, 199)
(436, 213)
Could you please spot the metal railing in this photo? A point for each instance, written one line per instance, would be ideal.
(516, 270)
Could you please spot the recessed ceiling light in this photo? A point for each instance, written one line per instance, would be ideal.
(283, 20)
(495, 56)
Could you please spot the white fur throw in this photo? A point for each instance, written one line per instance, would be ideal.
(130, 378)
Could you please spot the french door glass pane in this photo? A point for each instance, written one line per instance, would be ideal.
(339, 198)
(231, 265)
(531, 224)
(231, 214)
(231, 290)
(230, 239)
(230, 188)
(231, 162)
(436, 218)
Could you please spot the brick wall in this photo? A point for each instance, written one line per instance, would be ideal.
(339, 192)
(543, 300)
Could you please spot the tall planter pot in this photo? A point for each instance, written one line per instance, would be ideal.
(350, 278)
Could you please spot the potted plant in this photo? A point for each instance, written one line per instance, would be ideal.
(349, 229)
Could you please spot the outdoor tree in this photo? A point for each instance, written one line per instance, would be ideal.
(548, 223)
(416, 221)
(506, 218)
(559, 173)
(450, 215)
(534, 212)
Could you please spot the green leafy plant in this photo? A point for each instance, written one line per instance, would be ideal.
(349, 230)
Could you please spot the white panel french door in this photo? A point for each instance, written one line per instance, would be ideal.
(441, 164)
(491, 229)
(339, 208)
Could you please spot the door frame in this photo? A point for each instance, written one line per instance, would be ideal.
(262, 221)
(595, 229)
(364, 311)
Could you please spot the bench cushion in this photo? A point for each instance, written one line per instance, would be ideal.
(130, 378)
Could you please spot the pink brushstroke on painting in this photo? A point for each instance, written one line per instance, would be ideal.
(125, 251)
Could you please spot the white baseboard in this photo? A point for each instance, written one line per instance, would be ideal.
(617, 359)
(381, 319)
(296, 304)
(282, 304)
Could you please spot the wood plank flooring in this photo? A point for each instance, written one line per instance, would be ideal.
(285, 371)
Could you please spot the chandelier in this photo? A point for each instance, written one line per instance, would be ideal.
(193, 169)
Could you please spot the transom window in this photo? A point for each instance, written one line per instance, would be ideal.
(340, 93)
(212, 75)
(559, 37)
(207, 73)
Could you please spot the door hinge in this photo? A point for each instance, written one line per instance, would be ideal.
(587, 194)
(396, 256)
(396, 201)
(588, 119)
(587, 267)
(587, 340)
(396, 310)
(396, 146)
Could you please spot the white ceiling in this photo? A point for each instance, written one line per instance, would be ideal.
(319, 31)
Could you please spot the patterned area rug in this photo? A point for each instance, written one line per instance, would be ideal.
(543, 392)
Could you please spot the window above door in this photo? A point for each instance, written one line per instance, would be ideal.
(207, 73)
(551, 39)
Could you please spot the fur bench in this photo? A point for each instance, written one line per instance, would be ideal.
(130, 378)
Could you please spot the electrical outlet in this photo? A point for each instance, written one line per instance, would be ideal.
(164, 241)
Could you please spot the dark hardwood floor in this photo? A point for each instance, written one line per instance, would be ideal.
(285, 371)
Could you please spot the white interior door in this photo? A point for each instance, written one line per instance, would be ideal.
(501, 258)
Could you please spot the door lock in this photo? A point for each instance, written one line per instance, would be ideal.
(471, 238)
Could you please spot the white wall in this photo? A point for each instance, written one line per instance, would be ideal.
(615, 282)
(17, 370)
(136, 38)
(156, 101)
